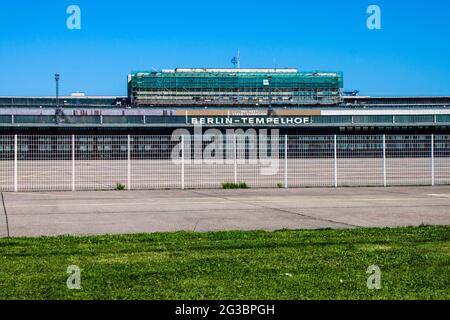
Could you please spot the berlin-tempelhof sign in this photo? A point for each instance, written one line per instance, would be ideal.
(250, 120)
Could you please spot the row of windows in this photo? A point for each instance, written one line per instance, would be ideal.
(181, 119)
(84, 148)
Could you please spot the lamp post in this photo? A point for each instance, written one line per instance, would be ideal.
(269, 80)
(57, 76)
(58, 108)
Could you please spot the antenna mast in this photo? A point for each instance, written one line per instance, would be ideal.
(239, 59)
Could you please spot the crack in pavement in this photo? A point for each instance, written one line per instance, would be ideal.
(280, 210)
(196, 224)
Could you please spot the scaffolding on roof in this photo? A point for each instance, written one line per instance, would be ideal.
(234, 86)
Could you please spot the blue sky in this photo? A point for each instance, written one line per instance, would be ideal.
(409, 55)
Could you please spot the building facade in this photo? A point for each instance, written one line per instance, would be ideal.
(294, 102)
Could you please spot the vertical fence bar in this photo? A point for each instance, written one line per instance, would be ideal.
(15, 163)
(285, 162)
(235, 159)
(129, 162)
(335, 162)
(73, 162)
(432, 160)
(182, 162)
(384, 161)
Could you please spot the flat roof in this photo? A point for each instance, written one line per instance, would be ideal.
(238, 70)
(62, 97)
(396, 97)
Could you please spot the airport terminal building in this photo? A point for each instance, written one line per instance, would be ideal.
(283, 128)
(306, 103)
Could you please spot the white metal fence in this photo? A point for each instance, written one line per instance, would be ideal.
(34, 163)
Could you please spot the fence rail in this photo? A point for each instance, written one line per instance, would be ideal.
(45, 163)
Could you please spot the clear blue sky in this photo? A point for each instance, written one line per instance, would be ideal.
(410, 55)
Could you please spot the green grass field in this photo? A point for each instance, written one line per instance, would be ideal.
(322, 264)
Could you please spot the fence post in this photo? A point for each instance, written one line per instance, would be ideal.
(73, 162)
(285, 162)
(15, 163)
(335, 162)
(235, 159)
(432, 160)
(129, 162)
(182, 162)
(384, 161)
